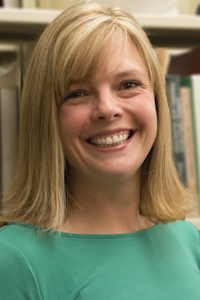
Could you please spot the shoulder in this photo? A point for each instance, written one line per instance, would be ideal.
(17, 236)
(12, 260)
(17, 279)
(183, 227)
(182, 234)
(22, 236)
(27, 239)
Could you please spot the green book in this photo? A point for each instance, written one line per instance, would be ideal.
(193, 83)
(174, 102)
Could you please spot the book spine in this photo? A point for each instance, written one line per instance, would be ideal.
(11, 3)
(30, 3)
(9, 135)
(195, 109)
(9, 122)
(188, 141)
(174, 102)
(58, 4)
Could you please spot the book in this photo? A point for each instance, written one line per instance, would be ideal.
(30, 3)
(193, 83)
(185, 63)
(10, 74)
(174, 102)
(11, 3)
(9, 111)
(8, 135)
(188, 140)
(58, 4)
(188, 6)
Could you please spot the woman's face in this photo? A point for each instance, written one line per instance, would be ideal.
(108, 123)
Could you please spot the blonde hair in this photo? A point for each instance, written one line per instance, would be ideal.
(71, 47)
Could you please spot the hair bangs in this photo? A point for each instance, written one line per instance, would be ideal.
(79, 57)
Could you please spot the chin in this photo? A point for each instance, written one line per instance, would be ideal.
(118, 175)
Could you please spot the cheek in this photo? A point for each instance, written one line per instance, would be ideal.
(147, 115)
(71, 120)
(71, 124)
(144, 110)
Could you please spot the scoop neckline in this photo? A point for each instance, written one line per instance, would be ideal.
(90, 236)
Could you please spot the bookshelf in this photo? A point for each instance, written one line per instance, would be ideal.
(24, 26)
(21, 25)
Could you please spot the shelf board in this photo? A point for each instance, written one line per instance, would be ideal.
(171, 31)
(18, 25)
(8, 48)
(21, 25)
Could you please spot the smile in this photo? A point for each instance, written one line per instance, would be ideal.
(112, 140)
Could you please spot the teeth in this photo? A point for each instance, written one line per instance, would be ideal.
(115, 139)
(125, 136)
(120, 138)
(109, 141)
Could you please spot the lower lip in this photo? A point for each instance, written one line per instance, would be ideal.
(113, 148)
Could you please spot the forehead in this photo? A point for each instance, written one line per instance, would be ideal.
(122, 57)
(96, 58)
(119, 57)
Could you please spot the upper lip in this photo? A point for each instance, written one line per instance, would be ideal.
(107, 132)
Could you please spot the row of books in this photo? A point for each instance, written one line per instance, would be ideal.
(184, 103)
(181, 7)
(45, 4)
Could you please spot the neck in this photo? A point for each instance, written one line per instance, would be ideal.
(104, 207)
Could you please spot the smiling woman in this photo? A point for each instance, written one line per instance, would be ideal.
(96, 210)
(109, 106)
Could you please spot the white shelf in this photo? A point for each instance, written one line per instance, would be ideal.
(24, 25)
(28, 16)
(8, 48)
(159, 21)
(171, 31)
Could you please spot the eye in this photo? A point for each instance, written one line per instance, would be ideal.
(128, 85)
(76, 94)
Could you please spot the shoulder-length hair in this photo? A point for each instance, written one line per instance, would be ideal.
(71, 46)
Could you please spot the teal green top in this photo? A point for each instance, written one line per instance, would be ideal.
(162, 262)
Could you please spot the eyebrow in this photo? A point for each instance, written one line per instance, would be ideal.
(76, 81)
(130, 72)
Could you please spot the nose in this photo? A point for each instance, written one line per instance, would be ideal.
(106, 106)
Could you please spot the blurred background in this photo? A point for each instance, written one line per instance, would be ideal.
(172, 7)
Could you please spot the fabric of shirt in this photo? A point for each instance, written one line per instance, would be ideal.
(159, 263)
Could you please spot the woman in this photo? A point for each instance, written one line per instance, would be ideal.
(96, 210)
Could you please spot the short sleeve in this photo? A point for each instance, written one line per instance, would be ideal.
(17, 281)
